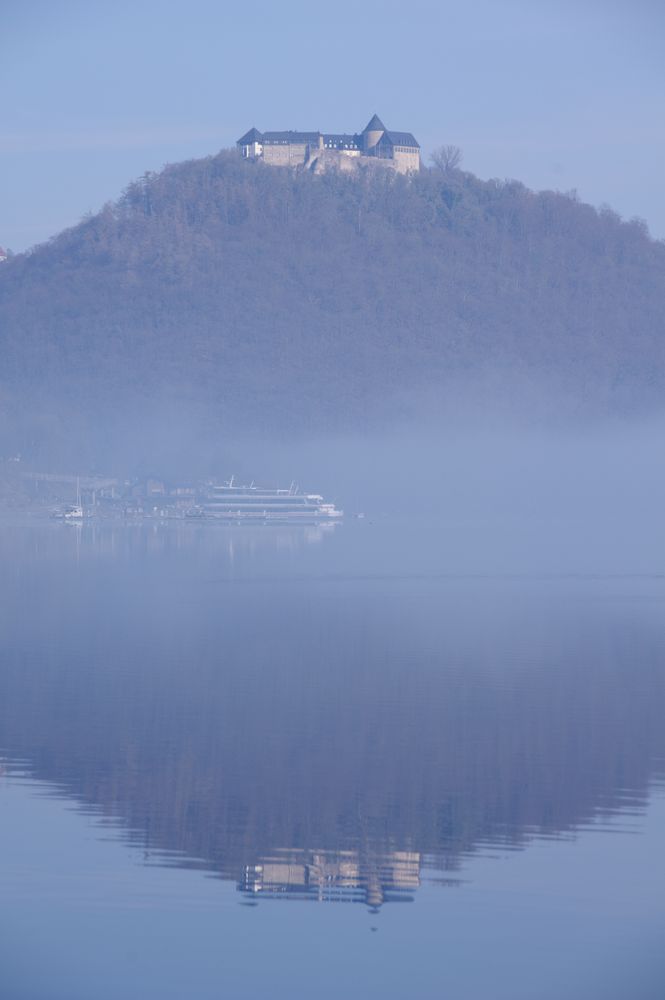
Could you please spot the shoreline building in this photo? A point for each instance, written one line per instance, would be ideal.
(318, 151)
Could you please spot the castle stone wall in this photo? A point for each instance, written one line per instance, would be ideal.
(286, 155)
(406, 161)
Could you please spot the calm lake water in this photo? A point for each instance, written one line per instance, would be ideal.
(240, 762)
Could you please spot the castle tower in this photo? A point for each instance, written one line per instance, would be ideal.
(372, 133)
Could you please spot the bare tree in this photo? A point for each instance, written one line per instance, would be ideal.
(447, 158)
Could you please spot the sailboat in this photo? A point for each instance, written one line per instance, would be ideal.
(72, 511)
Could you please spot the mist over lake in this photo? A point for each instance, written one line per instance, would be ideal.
(332, 562)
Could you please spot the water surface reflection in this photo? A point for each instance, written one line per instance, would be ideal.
(283, 710)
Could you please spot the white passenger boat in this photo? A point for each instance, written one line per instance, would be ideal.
(232, 502)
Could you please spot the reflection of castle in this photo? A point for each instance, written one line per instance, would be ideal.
(369, 735)
(374, 146)
(342, 876)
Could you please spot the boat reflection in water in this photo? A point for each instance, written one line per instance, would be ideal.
(346, 877)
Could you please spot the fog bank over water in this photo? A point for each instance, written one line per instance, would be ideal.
(513, 470)
(506, 497)
(499, 495)
(507, 490)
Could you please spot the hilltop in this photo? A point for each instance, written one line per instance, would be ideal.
(226, 294)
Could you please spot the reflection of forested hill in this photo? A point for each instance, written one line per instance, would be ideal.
(266, 297)
(395, 721)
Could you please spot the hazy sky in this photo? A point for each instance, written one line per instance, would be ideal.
(556, 94)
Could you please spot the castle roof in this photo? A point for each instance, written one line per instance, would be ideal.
(398, 139)
(252, 136)
(286, 138)
(341, 139)
(374, 125)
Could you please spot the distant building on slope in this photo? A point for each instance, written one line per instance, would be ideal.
(320, 151)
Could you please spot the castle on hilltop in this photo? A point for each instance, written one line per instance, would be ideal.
(318, 151)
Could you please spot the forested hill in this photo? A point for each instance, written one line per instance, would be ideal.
(267, 298)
